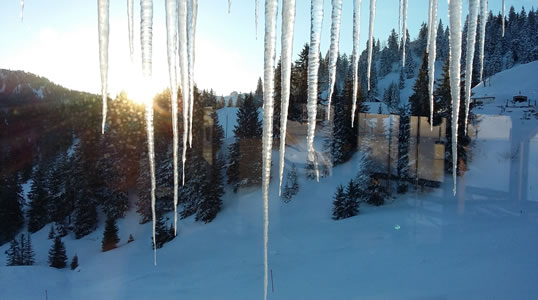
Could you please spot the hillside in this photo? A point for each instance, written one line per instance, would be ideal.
(421, 245)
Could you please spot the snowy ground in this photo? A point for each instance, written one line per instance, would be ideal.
(423, 245)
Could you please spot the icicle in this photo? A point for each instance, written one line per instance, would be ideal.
(256, 18)
(430, 6)
(267, 140)
(146, 24)
(192, 11)
(183, 66)
(431, 56)
(313, 67)
(355, 58)
(404, 30)
(171, 43)
(102, 7)
(371, 38)
(503, 17)
(483, 20)
(22, 10)
(454, 14)
(288, 25)
(229, 6)
(399, 23)
(130, 25)
(471, 39)
(333, 53)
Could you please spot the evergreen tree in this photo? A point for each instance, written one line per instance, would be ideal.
(343, 142)
(110, 235)
(375, 193)
(13, 253)
(299, 85)
(11, 216)
(444, 103)
(211, 203)
(130, 239)
(60, 206)
(74, 262)
(161, 232)
(38, 211)
(277, 100)
(244, 167)
(85, 210)
(420, 100)
(52, 233)
(258, 94)
(292, 185)
(57, 254)
(310, 170)
(403, 149)
(28, 252)
(339, 203)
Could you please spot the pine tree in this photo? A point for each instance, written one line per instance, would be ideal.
(85, 210)
(74, 262)
(52, 233)
(403, 149)
(38, 211)
(110, 235)
(60, 206)
(211, 203)
(299, 85)
(277, 100)
(420, 99)
(244, 166)
(57, 254)
(161, 232)
(351, 203)
(292, 186)
(130, 239)
(11, 216)
(258, 94)
(339, 203)
(13, 253)
(28, 252)
(343, 142)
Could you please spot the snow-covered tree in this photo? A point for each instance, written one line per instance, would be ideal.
(74, 262)
(28, 255)
(14, 254)
(292, 185)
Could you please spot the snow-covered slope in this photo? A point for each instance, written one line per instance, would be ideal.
(519, 80)
(422, 245)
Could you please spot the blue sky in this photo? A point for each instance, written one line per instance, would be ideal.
(58, 39)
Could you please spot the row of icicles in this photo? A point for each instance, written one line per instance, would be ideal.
(181, 28)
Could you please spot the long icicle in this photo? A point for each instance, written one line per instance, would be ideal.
(22, 10)
(102, 7)
(431, 57)
(267, 139)
(171, 43)
(130, 26)
(229, 6)
(430, 7)
(256, 18)
(333, 52)
(471, 40)
(404, 30)
(313, 68)
(183, 66)
(355, 58)
(371, 39)
(504, 11)
(483, 20)
(454, 14)
(288, 25)
(146, 35)
(399, 23)
(192, 10)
